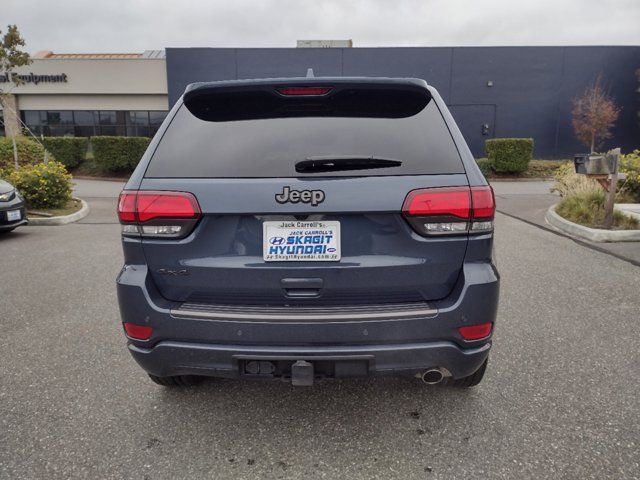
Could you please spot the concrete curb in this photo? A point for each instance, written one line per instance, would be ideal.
(106, 179)
(528, 179)
(591, 234)
(63, 219)
(624, 208)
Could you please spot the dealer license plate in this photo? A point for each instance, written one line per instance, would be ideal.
(301, 241)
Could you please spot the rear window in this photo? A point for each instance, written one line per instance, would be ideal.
(256, 134)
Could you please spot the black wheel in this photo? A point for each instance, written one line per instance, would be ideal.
(7, 231)
(472, 380)
(177, 381)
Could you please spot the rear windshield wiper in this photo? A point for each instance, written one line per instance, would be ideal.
(344, 162)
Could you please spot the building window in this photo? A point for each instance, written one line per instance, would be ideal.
(138, 123)
(88, 123)
(155, 120)
(112, 123)
(58, 123)
(85, 122)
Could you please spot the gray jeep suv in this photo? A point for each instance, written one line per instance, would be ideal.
(308, 228)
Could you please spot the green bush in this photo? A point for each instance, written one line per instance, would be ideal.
(630, 165)
(70, 151)
(30, 152)
(486, 166)
(43, 185)
(509, 155)
(118, 154)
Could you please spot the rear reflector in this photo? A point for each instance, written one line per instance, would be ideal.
(158, 213)
(138, 332)
(450, 210)
(476, 332)
(301, 91)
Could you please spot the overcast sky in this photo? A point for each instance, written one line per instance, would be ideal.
(137, 25)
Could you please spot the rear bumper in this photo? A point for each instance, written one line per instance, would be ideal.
(216, 345)
(180, 358)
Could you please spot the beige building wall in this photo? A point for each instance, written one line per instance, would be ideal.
(93, 84)
(97, 76)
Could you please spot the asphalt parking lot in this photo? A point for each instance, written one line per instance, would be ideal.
(561, 398)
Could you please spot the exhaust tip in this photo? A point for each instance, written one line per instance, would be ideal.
(432, 376)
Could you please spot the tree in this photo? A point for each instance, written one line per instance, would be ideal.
(594, 115)
(11, 56)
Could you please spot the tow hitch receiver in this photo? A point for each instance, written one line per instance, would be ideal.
(302, 374)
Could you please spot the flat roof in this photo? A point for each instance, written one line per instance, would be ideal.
(47, 54)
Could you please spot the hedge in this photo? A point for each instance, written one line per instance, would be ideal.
(509, 155)
(30, 152)
(70, 151)
(486, 166)
(118, 154)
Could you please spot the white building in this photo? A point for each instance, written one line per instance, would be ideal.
(89, 94)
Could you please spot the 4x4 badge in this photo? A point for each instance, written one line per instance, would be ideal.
(314, 197)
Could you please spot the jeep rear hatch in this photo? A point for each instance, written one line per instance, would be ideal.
(261, 156)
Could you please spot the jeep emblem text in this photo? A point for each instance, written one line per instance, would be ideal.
(314, 197)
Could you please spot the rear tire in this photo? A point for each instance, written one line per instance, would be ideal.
(7, 231)
(177, 381)
(472, 380)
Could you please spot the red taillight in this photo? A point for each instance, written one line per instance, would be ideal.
(476, 332)
(138, 332)
(450, 210)
(166, 205)
(158, 213)
(484, 205)
(452, 201)
(309, 91)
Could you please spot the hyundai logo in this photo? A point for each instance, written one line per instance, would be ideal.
(276, 240)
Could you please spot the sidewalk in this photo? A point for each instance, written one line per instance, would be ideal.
(84, 188)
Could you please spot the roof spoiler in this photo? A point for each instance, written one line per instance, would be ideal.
(306, 97)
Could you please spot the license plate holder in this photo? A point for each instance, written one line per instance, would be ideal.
(301, 241)
(13, 215)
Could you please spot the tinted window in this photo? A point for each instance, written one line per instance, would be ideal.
(194, 147)
(31, 117)
(156, 118)
(60, 117)
(84, 117)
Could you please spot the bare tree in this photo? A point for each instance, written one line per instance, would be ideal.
(594, 115)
